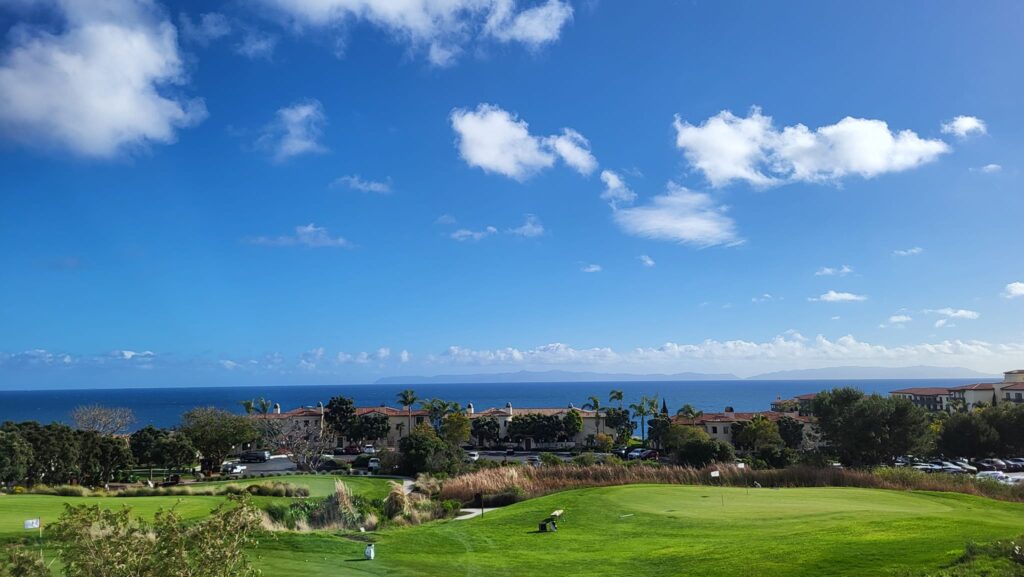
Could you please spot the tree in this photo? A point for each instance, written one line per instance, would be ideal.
(758, 434)
(572, 424)
(304, 447)
(54, 451)
(407, 399)
(15, 458)
(101, 458)
(621, 423)
(102, 420)
(437, 409)
(371, 426)
(485, 431)
(688, 411)
(340, 417)
(968, 435)
(603, 443)
(657, 429)
(455, 428)
(175, 452)
(792, 432)
(215, 433)
(423, 451)
(692, 447)
(594, 404)
(869, 430)
(144, 445)
(97, 542)
(615, 395)
(642, 409)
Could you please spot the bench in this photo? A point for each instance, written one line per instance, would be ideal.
(551, 521)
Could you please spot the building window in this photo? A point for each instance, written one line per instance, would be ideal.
(714, 430)
(725, 429)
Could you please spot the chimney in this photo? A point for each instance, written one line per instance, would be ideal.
(469, 408)
(277, 408)
(508, 408)
(729, 411)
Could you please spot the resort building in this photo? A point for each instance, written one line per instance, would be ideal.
(801, 403)
(593, 423)
(928, 398)
(720, 426)
(1011, 390)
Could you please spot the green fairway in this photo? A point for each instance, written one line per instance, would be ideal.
(673, 530)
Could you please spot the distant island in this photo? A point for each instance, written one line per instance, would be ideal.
(829, 373)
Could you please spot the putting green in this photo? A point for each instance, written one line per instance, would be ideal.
(663, 530)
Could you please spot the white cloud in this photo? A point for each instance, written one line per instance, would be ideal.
(1014, 290)
(209, 27)
(831, 271)
(990, 168)
(944, 323)
(498, 141)
(445, 219)
(963, 126)
(908, 252)
(574, 150)
(102, 83)
(836, 318)
(256, 44)
(464, 234)
(952, 313)
(530, 228)
(355, 182)
(379, 356)
(615, 189)
(404, 356)
(727, 148)
(784, 351)
(899, 320)
(839, 297)
(763, 298)
(591, 268)
(440, 29)
(646, 261)
(296, 130)
(680, 215)
(308, 235)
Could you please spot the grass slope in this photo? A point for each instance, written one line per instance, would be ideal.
(662, 530)
(319, 485)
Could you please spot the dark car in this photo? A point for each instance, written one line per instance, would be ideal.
(255, 457)
(649, 455)
(510, 451)
(171, 480)
(1014, 465)
(621, 452)
(353, 450)
(990, 465)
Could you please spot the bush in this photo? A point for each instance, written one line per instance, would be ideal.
(584, 460)
(550, 459)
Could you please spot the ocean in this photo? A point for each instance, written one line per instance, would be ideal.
(162, 407)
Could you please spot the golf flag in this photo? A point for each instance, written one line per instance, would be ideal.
(714, 473)
(31, 524)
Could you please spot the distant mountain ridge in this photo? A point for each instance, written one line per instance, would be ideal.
(856, 373)
(549, 377)
(829, 373)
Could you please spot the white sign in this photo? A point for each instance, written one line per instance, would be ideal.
(32, 524)
(741, 465)
(714, 473)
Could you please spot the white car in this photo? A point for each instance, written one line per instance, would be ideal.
(369, 450)
(997, 476)
(373, 464)
(472, 456)
(233, 469)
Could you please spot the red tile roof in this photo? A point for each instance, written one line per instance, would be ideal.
(1014, 387)
(923, 391)
(304, 412)
(975, 387)
(734, 417)
(493, 412)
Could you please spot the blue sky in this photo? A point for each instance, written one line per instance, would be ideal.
(338, 190)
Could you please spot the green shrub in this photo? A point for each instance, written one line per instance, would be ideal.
(584, 460)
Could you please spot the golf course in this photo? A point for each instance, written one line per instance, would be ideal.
(654, 530)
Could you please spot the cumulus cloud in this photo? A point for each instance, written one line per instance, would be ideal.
(615, 189)
(296, 130)
(646, 260)
(952, 313)
(591, 268)
(726, 148)
(101, 79)
(530, 228)
(355, 182)
(833, 271)
(1014, 290)
(989, 169)
(441, 30)
(963, 126)
(308, 235)
(839, 297)
(464, 234)
(682, 216)
(496, 140)
(380, 355)
(908, 252)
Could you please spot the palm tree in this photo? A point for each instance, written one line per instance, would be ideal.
(688, 411)
(407, 399)
(594, 404)
(642, 409)
(615, 395)
(263, 406)
(248, 405)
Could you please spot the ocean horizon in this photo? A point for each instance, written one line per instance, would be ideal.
(162, 407)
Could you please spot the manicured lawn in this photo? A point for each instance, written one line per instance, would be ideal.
(319, 485)
(665, 530)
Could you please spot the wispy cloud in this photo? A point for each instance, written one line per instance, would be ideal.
(908, 252)
(530, 228)
(591, 268)
(832, 271)
(839, 297)
(464, 234)
(646, 261)
(355, 182)
(296, 130)
(615, 189)
(308, 235)
(682, 216)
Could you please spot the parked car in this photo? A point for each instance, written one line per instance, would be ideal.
(621, 452)
(472, 457)
(369, 450)
(1014, 465)
(635, 453)
(948, 467)
(255, 457)
(649, 455)
(171, 480)
(510, 451)
(352, 450)
(232, 469)
(373, 465)
(963, 464)
(533, 461)
(990, 465)
(998, 476)
(927, 467)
